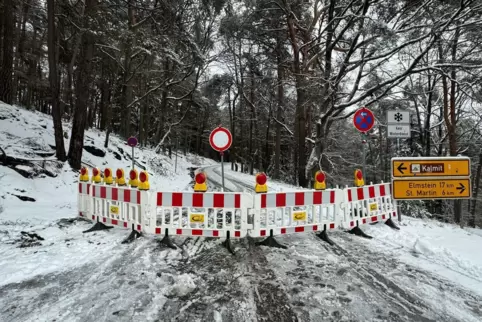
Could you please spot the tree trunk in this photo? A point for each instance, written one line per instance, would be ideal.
(6, 72)
(472, 220)
(82, 89)
(54, 84)
(279, 110)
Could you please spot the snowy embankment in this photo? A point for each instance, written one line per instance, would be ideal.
(43, 204)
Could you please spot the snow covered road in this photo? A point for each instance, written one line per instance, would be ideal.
(357, 280)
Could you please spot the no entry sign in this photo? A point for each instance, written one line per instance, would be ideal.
(220, 139)
(363, 120)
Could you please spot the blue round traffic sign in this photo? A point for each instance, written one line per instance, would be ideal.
(363, 120)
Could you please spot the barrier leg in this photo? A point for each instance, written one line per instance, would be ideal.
(227, 243)
(167, 240)
(358, 232)
(98, 226)
(391, 224)
(133, 236)
(271, 242)
(324, 236)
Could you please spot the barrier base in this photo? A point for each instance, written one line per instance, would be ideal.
(166, 241)
(228, 245)
(358, 232)
(324, 236)
(391, 224)
(271, 242)
(133, 236)
(98, 226)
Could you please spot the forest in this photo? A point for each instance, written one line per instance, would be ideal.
(285, 76)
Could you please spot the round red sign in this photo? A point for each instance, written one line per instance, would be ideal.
(220, 139)
(132, 141)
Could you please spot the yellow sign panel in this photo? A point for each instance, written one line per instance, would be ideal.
(299, 216)
(197, 218)
(373, 207)
(114, 210)
(432, 189)
(431, 167)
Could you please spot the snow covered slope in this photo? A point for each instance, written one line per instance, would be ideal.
(52, 196)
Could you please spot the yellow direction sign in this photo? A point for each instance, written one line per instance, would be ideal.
(431, 167)
(431, 189)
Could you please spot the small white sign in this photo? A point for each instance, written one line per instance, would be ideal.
(399, 131)
(398, 117)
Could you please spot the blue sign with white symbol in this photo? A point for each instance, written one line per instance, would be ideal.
(363, 120)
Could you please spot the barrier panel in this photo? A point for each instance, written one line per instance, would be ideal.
(83, 199)
(280, 213)
(120, 206)
(368, 204)
(209, 214)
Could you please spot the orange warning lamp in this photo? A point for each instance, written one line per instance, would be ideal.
(96, 175)
(359, 178)
(108, 176)
(143, 181)
(320, 183)
(261, 186)
(119, 177)
(84, 174)
(133, 182)
(200, 182)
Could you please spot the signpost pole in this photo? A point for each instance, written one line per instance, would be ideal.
(177, 151)
(133, 158)
(364, 142)
(222, 169)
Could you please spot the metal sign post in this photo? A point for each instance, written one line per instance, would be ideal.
(220, 140)
(363, 120)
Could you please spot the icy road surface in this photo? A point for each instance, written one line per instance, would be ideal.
(202, 281)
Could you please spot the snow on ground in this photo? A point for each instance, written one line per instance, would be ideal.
(445, 249)
(427, 271)
(29, 135)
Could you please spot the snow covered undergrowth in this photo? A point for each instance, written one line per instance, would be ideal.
(40, 204)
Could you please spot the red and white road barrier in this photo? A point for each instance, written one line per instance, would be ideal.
(368, 204)
(296, 212)
(226, 214)
(209, 214)
(120, 206)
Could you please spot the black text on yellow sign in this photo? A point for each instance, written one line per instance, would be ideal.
(197, 218)
(431, 167)
(431, 189)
